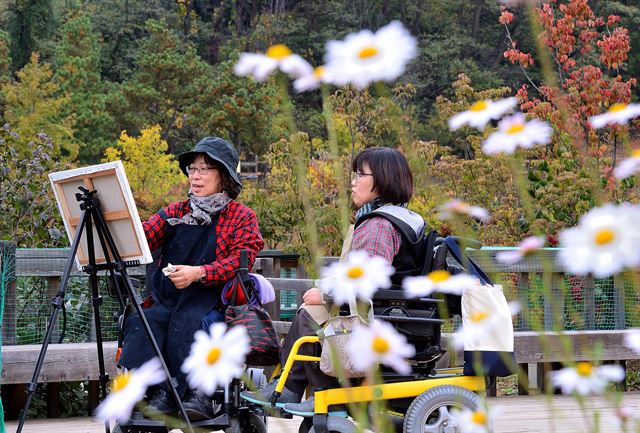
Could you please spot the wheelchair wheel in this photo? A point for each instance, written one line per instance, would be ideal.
(256, 425)
(337, 424)
(430, 411)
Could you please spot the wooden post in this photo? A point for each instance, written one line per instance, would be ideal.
(618, 302)
(523, 379)
(590, 303)
(53, 399)
(93, 395)
(554, 303)
(8, 271)
(53, 285)
(522, 287)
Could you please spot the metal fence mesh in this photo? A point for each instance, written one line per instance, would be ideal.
(75, 321)
(550, 301)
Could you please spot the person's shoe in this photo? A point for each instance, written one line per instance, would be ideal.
(198, 406)
(263, 396)
(306, 409)
(161, 404)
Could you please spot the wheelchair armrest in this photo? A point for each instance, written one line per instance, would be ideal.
(386, 295)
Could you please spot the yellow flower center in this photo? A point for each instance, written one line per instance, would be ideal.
(479, 417)
(380, 345)
(439, 276)
(478, 106)
(617, 107)
(120, 382)
(213, 355)
(479, 316)
(604, 236)
(515, 128)
(368, 52)
(278, 51)
(355, 272)
(636, 153)
(584, 368)
(319, 71)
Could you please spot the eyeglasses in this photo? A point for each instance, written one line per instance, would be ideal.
(202, 171)
(360, 175)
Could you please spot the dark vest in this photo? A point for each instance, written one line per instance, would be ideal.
(410, 258)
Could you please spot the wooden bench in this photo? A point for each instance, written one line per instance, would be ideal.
(78, 361)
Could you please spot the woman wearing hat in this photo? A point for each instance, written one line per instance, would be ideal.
(202, 237)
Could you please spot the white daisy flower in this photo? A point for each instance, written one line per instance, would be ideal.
(605, 241)
(628, 166)
(617, 114)
(437, 281)
(216, 357)
(311, 81)
(473, 421)
(514, 131)
(364, 57)
(458, 207)
(260, 66)
(624, 416)
(525, 248)
(380, 343)
(481, 112)
(632, 339)
(585, 379)
(359, 277)
(129, 388)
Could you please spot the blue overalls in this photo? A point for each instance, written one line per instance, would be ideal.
(175, 315)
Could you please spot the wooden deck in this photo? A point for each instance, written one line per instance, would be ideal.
(521, 414)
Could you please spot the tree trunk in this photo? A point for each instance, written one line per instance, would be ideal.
(476, 19)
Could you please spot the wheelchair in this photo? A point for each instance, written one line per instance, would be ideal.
(420, 402)
(231, 414)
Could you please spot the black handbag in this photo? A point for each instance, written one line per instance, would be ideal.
(265, 346)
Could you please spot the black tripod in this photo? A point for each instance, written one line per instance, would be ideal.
(117, 268)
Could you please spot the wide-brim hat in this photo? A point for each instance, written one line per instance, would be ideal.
(219, 150)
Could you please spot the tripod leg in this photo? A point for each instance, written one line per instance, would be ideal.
(56, 302)
(96, 302)
(136, 301)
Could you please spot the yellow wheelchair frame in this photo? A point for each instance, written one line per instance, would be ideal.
(367, 393)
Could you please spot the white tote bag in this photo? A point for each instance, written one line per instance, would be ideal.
(488, 332)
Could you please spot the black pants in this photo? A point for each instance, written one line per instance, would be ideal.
(304, 373)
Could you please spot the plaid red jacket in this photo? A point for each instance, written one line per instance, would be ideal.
(237, 229)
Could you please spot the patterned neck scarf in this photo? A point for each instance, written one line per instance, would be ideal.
(202, 209)
(367, 208)
(371, 206)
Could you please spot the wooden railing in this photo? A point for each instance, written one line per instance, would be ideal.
(78, 361)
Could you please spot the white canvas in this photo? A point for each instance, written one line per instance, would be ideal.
(117, 205)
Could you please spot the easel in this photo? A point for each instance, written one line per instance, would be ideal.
(92, 216)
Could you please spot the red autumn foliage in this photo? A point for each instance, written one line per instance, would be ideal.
(571, 30)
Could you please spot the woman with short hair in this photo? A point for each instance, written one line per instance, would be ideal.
(381, 188)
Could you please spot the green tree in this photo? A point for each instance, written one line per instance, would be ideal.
(32, 24)
(33, 106)
(30, 214)
(122, 24)
(164, 88)
(244, 111)
(5, 57)
(78, 75)
(154, 175)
